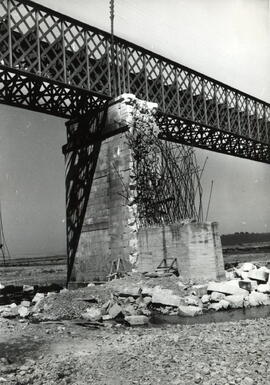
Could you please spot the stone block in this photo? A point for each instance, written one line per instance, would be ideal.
(256, 299)
(226, 287)
(23, 311)
(189, 311)
(236, 300)
(165, 297)
(115, 311)
(216, 297)
(259, 275)
(136, 320)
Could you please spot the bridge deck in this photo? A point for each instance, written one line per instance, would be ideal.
(52, 63)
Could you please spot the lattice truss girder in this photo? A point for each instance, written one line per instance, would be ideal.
(44, 95)
(41, 42)
(184, 131)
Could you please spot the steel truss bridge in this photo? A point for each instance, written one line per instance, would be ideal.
(54, 64)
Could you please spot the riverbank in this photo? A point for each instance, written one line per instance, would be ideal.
(66, 353)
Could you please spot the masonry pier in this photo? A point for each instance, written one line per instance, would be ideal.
(101, 224)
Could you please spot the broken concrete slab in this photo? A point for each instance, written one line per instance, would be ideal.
(148, 291)
(165, 297)
(222, 304)
(256, 299)
(115, 311)
(189, 311)
(205, 298)
(28, 288)
(135, 320)
(9, 311)
(147, 300)
(26, 303)
(264, 288)
(130, 310)
(229, 275)
(247, 266)
(216, 296)
(23, 311)
(92, 314)
(199, 290)
(236, 301)
(260, 275)
(129, 291)
(245, 284)
(241, 274)
(38, 297)
(227, 287)
(192, 300)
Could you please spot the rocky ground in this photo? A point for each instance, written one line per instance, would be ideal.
(66, 353)
(89, 336)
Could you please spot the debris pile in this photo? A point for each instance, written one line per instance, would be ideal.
(133, 299)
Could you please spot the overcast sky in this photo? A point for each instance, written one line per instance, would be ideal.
(226, 39)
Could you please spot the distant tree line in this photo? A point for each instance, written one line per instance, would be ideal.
(244, 237)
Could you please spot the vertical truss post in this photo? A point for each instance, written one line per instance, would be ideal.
(123, 77)
(204, 103)
(238, 114)
(9, 34)
(118, 72)
(64, 52)
(227, 110)
(38, 41)
(216, 104)
(108, 69)
(248, 120)
(145, 77)
(162, 86)
(177, 91)
(191, 97)
(127, 65)
(87, 59)
(257, 122)
(265, 122)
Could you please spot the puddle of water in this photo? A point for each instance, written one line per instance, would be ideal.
(219, 316)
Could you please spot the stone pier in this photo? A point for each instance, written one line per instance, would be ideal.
(108, 228)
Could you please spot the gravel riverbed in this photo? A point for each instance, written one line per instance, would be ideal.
(62, 353)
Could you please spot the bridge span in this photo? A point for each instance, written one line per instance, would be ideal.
(54, 64)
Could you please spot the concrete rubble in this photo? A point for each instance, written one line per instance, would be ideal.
(135, 298)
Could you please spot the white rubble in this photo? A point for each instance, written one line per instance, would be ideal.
(26, 303)
(27, 288)
(92, 314)
(216, 296)
(236, 301)
(23, 311)
(165, 297)
(192, 300)
(256, 299)
(247, 266)
(264, 288)
(205, 298)
(260, 274)
(223, 304)
(134, 320)
(227, 287)
(189, 311)
(38, 297)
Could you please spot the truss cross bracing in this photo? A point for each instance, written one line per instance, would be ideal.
(55, 64)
